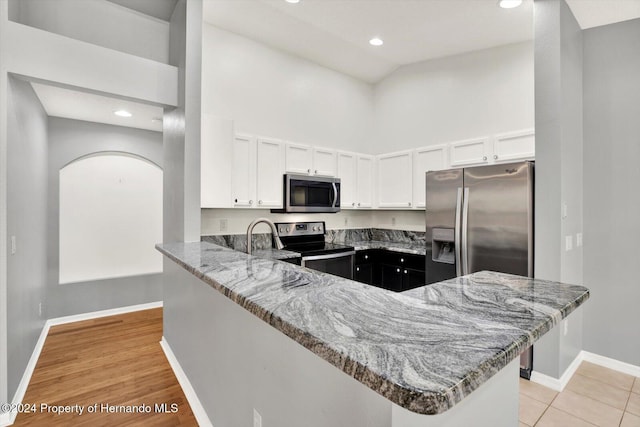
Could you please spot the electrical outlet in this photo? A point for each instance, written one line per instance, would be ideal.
(223, 224)
(257, 418)
(346, 220)
(14, 246)
(568, 242)
(578, 240)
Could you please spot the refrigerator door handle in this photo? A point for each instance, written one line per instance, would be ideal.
(456, 234)
(465, 222)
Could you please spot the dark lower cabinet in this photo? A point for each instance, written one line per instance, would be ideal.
(364, 273)
(390, 270)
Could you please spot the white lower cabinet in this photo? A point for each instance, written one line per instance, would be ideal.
(356, 175)
(257, 172)
(395, 180)
(426, 159)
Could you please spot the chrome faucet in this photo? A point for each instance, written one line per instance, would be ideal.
(274, 232)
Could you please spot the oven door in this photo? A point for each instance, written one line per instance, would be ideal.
(312, 194)
(339, 264)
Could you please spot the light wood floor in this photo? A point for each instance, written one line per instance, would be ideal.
(114, 360)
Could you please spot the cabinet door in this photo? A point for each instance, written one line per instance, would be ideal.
(426, 159)
(514, 146)
(364, 181)
(269, 171)
(395, 180)
(470, 152)
(216, 148)
(391, 277)
(324, 162)
(364, 274)
(243, 178)
(347, 175)
(298, 159)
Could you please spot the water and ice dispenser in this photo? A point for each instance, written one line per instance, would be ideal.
(443, 245)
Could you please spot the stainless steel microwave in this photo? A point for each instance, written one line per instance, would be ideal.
(310, 194)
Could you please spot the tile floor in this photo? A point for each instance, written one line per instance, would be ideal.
(595, 396)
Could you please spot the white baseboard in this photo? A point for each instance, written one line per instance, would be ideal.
(558, 384)
(614, 364)
(196, 407)
(8, 418)
(103, 313)
(561, 383)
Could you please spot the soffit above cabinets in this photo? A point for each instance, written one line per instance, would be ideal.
(77, 105)
(335, 33)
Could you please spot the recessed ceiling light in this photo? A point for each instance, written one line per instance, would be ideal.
(509, 4)
(292, 1)
(376, 42)
(122, 113)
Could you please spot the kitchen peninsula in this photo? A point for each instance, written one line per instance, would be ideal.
(411, 359)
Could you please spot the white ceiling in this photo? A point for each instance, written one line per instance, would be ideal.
(72, 104)
(335, 33)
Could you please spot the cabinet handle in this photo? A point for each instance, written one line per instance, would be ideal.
(236, 201)
(250, 202)
(495, 157)
(316, 172)
(259, 202)
(353, 204)
(358, 203)
(409, 203)
(357, 268)
(309, 171)
(366, 257)
(397, 270)
(401, 259)
(405, 272)
(484, 158)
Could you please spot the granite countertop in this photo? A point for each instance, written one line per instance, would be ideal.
(273, 253)
(424, 349)
(417, 248)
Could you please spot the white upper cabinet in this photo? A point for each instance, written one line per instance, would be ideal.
(243, 178)
(395, 180)
(306, 160)
(364, 180)
(269, 171)
(347, 173)
(298, 159)
(257, 172)
(216, 148)
(324, 162)
(470, 152)
(514, 146)
(426, 159)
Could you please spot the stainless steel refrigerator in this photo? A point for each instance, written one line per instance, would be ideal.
(481, 218)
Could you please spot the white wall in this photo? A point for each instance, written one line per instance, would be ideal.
(458, 97)
(98, 22)
(611, 198)
(272, 93)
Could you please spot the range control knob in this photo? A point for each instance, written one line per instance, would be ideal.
(287, 229)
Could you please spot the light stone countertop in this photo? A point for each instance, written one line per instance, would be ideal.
(423, 349)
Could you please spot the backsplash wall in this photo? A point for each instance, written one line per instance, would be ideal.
(237, 220)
